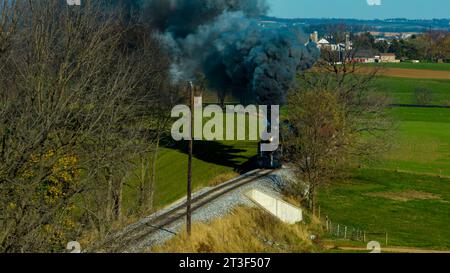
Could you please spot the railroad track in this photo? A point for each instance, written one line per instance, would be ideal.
(124, 241)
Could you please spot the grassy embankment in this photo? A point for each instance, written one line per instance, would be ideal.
(246, 230)
(214, 162)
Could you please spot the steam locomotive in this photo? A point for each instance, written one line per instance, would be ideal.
(269, 160)
(274, 160)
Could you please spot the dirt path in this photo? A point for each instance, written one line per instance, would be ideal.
(406, 73)
(412, 73)
(395, 250)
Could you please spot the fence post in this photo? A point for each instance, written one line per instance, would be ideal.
(364, 236)
(386, 238)
(345, 232)
(338, 230)
(319, 212)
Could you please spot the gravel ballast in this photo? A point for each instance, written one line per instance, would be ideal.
(223, 205)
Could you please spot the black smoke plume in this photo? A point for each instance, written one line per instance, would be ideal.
(225, 41)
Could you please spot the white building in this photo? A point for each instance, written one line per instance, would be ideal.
(324, 43)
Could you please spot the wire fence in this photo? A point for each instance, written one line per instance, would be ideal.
(352, 233)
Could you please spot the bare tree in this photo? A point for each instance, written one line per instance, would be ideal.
(423, 96)
(335, 120)
(315, 140)
(83, 97)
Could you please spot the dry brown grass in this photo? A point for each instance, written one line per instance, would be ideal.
(245, 230)
(222, 178)
(405, 195)
(408, 73)
(416, 73)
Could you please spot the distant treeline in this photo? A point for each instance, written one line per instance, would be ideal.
(356, 25)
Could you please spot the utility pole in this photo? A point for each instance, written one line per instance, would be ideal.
(190, 151)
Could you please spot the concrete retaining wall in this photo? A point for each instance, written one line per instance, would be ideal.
(277, 207)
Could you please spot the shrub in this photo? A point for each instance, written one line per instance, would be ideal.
(423, 96)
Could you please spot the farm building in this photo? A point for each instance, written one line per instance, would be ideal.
(388, 58)
(364, 56)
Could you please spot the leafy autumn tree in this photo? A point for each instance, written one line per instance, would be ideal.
(82, 95)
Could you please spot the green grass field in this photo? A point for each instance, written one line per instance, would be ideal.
(368, 201)
(211, 161)
(408, 65)
(402, 90)
(402, 193)
(214, 162)
(421, 142)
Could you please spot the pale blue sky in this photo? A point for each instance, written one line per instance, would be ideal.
(360, 9)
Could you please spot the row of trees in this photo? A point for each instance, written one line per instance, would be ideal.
(84, 101)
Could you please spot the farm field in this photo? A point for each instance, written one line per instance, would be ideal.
(420, 66)
(421, 143)
(410, 70)
(415, 73)
(402, 90)
(407, 192)
(412, 208)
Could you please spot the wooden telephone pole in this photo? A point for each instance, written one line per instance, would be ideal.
(190, 151)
